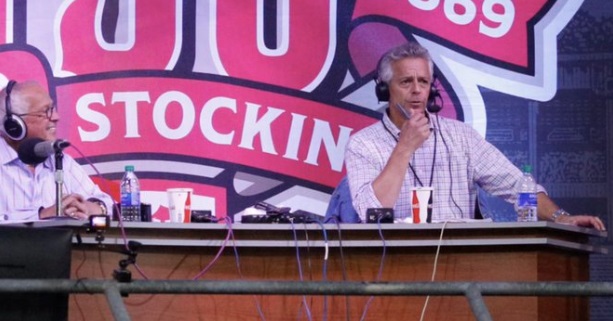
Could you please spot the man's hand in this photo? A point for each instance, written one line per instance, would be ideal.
(73, 205)
(414, 131)
(582, 220)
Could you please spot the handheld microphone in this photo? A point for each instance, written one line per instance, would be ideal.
(405, 113)
(34, 151)
(407, 116)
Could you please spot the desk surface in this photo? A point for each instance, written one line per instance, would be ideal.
(474, 234)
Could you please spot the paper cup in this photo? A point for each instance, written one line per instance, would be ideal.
(421, 200)
(180, 204)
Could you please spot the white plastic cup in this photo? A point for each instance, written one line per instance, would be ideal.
(421, 201)
(180, 204)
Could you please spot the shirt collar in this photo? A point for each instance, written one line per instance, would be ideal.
(387, 122)
(9, 156)
(7, 153)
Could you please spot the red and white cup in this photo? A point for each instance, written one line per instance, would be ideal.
(180, 204)
(421, 203)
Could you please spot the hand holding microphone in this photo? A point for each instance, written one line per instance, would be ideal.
(415, 129)
(404, 112)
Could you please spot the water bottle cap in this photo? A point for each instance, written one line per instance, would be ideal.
(129, 168)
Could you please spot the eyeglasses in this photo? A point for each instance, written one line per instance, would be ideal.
(47, 112)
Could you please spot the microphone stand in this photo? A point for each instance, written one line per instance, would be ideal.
(59, 180)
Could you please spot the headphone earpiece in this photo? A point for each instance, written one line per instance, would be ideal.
(432, 106)
(14, 126)
(382, 90)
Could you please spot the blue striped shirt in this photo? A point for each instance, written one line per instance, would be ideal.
(24, 192)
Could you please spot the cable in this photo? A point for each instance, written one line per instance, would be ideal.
(308, 256)
(104, 181)
(80, 284)
(381, 265)
(151, 296)
(100, 263)
(438, 122)
(326, 248)
(116, 208)
(77, 270)
(343, 266)
(230, 233)
(343, 269)
(214, 260)
(325, 267)
(306, 307)
(258, 305)
(415, 176)
(438, 248)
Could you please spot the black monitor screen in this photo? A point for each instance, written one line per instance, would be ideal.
(34, 253)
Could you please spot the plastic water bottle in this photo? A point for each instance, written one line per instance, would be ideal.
(526, 197)
(130, 196)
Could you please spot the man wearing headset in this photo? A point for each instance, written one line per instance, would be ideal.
(412, 147)
(28, 190)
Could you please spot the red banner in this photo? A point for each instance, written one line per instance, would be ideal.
(212, 120)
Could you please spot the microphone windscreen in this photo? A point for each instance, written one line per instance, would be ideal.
(44, 148)
(29, 151)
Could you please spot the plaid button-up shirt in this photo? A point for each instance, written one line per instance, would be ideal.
(457, 157)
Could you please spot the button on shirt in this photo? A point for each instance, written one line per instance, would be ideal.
(459, 158)
(24, 192)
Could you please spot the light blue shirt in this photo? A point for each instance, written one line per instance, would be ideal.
(22, 192)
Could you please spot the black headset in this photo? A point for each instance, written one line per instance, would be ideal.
(14, 127)
(383, 94)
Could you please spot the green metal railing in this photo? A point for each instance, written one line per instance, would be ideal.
(473, 291)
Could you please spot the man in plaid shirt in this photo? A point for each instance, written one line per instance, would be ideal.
(412, 147)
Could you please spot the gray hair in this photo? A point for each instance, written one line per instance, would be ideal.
(19, 101)
(407, 50)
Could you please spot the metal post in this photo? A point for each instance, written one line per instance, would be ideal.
(477, 305)
(113, 297)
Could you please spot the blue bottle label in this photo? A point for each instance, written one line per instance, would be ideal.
(527, 199)
(129, 199)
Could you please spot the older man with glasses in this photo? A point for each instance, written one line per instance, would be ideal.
(28, 190)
